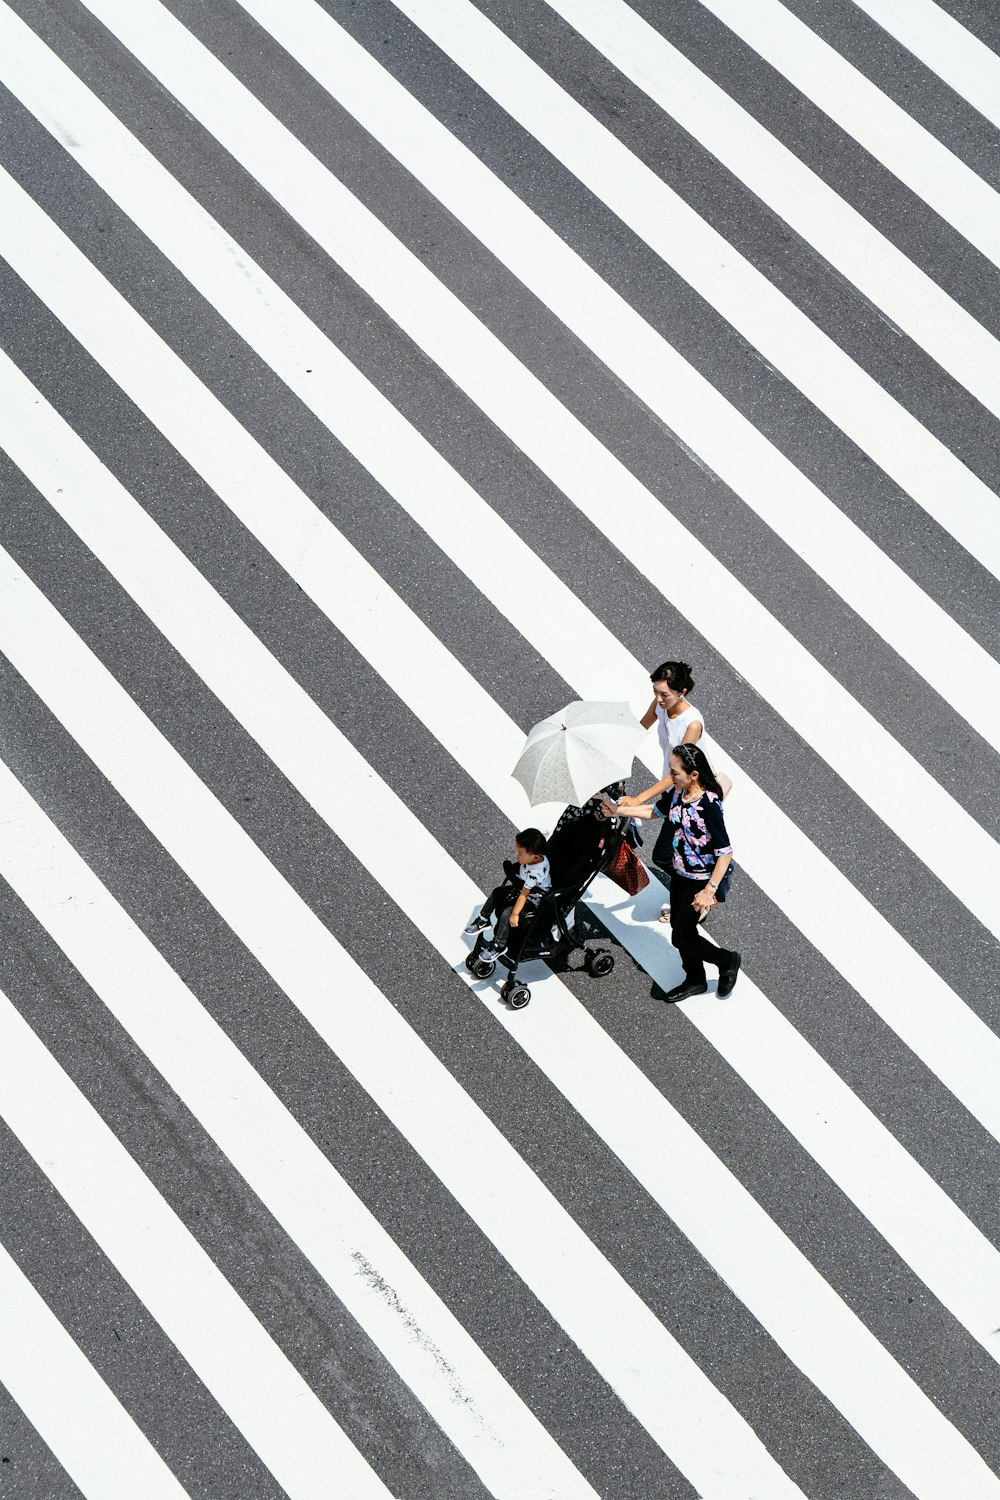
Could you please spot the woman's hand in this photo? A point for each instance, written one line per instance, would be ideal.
(514, 919)
(626, 801)
(704, 900)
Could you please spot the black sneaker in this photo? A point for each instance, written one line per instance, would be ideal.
(685, 991)
(478, 924)
(727, 975)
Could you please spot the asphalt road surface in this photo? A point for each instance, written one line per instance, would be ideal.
(375, 379)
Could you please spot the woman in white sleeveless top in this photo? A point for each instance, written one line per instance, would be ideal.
(677, 721)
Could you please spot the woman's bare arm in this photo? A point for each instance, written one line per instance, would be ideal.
(625, 808)
(649, 717)
(649, 795)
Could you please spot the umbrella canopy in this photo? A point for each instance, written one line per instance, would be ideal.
(572, 754)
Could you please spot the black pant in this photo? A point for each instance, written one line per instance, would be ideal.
(695, 950)
(501, 896)
(500, 903)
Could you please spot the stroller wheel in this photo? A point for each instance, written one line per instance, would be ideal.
(484, 967)
(470, 962)
(599, 962)
(518, 997)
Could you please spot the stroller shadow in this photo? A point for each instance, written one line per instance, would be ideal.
(589, 928)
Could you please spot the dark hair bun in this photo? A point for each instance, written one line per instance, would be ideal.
(676, 673)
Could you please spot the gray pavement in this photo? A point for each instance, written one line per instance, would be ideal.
(817, 1446)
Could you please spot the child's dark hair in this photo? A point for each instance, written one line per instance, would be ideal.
(676, 673)
(693, 758)
(531, 840)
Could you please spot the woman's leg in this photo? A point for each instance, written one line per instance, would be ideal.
(694, 949)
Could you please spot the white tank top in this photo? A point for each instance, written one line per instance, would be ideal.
(672, 731)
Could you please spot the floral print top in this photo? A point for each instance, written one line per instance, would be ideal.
(694, 836)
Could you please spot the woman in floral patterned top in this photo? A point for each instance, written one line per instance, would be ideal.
(694, 846)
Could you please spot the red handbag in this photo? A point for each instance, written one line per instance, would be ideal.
(627, 869)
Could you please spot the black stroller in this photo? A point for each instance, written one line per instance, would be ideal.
(578, 851)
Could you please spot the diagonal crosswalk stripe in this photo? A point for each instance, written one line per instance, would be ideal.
(875, 121)
(916, 1217)
(922, 465)
(64, 1398)
(964, 62)
(904, 293)
(254, 1383)
(723, 1221)
(861, 1156)
(898, 985)
(718, 1451)
(561, 446)
(908, 800)
(415, 1332)
(661, 1385)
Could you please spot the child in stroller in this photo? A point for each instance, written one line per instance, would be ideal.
(585, 840)
(526, 883)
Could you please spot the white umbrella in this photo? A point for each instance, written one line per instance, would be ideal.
(572, 754)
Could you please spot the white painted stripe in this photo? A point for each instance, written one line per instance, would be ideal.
(917, 1218)
(409, 1324)
(899, 985)
(659, 1383)
(922, 465)
(900, 791)
(67, 1402)
(875, 121)
(225, 1345)
(779, 1286)
(964, 62)
(881, 272)
(904, 1203)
